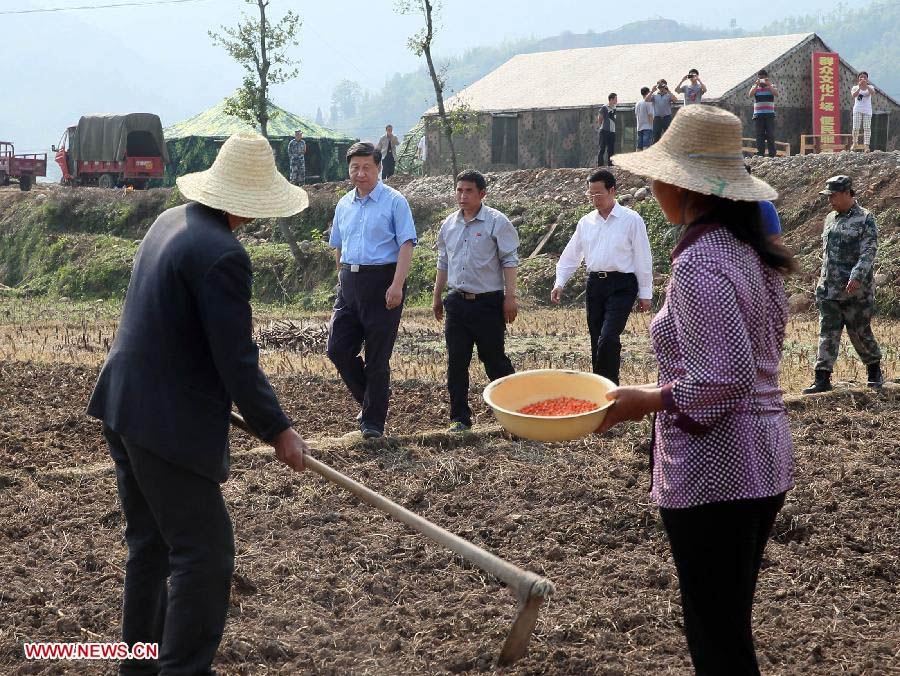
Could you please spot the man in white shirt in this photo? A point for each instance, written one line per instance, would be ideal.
(613, 242)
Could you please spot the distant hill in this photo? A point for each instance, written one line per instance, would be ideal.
(868, 38)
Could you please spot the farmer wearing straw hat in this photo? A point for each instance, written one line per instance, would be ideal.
(722, 456)
(183, 353)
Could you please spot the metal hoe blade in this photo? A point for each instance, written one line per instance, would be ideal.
(516, 644)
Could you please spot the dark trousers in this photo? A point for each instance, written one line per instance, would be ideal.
(718, 550)
(360, 318)
(607, 147)
(765, 134)
(387, 166)
(609, 302)
(479, 323)
(660, 124)
(177, 528)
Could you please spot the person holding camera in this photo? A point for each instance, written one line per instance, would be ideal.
(763, 93)
(862, 109)
(694, 90)
(662, 100)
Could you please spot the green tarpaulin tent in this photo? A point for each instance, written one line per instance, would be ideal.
(194, 143)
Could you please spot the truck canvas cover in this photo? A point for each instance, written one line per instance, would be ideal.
(108, 138)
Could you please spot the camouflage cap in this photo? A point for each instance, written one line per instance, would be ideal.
(835, 184)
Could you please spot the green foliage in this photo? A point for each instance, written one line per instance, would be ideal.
(97, 266)
(420, 281)
(260, 48)
(662, 234)
(279, 277)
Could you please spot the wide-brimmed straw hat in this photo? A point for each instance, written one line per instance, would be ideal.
(244, 181)
(700, 151)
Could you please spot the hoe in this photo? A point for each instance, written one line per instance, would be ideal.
(530, 589)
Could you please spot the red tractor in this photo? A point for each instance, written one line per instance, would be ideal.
(22, 167)
(113, 150)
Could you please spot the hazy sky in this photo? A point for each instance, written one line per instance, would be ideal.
(159, 57)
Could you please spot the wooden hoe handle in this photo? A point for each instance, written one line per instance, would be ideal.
(526, 584)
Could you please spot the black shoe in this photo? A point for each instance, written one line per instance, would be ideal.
(370, 432)
(876, 378)
(359, 416)
(822, 384)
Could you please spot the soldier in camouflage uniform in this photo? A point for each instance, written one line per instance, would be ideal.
(297, 156)
(845, 294)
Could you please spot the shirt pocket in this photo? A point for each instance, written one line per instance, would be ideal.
(482, 249)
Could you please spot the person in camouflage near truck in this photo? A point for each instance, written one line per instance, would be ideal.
(297, 157)
(845, 294)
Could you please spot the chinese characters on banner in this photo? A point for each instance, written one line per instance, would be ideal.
(826, 96)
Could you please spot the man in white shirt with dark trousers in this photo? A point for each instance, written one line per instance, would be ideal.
(613, 242)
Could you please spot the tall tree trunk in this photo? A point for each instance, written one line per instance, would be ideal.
(263, 72)
(438, 86)
(263, 117)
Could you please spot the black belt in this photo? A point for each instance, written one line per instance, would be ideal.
(600, 274)
(475, 296)
(366, 268)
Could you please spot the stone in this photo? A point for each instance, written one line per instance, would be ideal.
(517, 221)
(642, 194)
(625, 199)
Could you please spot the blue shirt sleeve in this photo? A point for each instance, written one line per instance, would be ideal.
(404, 228)
(769, 216)
(334, 240)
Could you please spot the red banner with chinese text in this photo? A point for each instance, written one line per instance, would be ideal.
(826, 95)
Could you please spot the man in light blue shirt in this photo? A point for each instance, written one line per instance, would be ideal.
(373, 236)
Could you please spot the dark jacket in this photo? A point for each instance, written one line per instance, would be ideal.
(184, 348)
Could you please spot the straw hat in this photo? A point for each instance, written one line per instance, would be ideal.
(244, 181)
(700, 151)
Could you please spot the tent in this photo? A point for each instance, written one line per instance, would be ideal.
(194, 143)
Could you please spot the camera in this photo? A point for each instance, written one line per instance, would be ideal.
(860, 97)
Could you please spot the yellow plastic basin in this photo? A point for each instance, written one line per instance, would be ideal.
(507, 395)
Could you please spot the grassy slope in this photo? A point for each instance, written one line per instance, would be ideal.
(80, 243)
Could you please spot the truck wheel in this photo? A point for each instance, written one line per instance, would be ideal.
(25, 182)
(4, 179)
(141, 183)
(106, 181)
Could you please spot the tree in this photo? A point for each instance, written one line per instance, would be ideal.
(260, 47)
(420, 45)
(344, 98)
(320, 118)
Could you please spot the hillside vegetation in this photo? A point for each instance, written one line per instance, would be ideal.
(80, 242)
